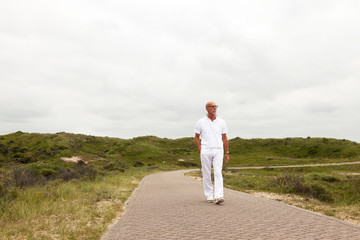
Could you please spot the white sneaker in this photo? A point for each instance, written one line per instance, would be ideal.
(219, 200)
(210, 199)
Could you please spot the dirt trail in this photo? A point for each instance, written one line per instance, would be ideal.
(293, 166)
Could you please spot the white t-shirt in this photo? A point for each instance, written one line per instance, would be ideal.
(211, 132)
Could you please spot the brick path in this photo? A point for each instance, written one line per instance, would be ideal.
(171, 206)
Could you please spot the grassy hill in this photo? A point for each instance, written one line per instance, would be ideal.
(288, 151)
(30, 158)
(82, 198)
(26, 148)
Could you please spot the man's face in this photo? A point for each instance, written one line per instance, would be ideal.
(211, 108)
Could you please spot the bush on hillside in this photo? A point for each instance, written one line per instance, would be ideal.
(48, 173)
(3, 149)
(22, 177)
(66, 174)
(188, 164)
(114, 167)
(138, 164)
(325, 177)
(23, 158)
(85, 171)
(297, 147)
(319, 192)
(293, 183)
(2, 190)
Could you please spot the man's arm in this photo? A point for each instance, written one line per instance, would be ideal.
(226, 147)
(197, 141)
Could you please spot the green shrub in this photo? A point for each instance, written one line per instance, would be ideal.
(324, 177)
(23, 177)
(109, 166)
(23, 149)
(248, 184)
(48, 173)
(38, 167)
(355, 183)
(17, 155)
(66, 174)
(330, 179)
(319, 192)
(114, 167)
(188, 164)
(3, 190)
(293, 183)
(138, 164)
(4, 149)
(85, 171)
(25, 158)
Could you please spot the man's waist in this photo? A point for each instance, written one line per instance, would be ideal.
(210, 147)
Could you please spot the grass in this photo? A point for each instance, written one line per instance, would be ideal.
(260, 159)
(330, 184)
(72, 210)
(331, 190)
(23, 148)
(43, 197)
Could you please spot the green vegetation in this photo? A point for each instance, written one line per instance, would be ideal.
(290, 151)
(44, 197)
(23, 148)
(330, 184)
(76, 209)
(331, 190)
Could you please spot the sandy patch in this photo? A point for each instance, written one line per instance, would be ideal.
(279, 197)
(350, 174)
(86, 160)
(135, 182)
(74, 159)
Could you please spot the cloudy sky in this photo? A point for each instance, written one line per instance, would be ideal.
(132, 68)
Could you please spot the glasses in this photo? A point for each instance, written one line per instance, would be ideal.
(213, 106)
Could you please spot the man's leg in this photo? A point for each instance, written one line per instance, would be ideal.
(218, 178)
(206, 159)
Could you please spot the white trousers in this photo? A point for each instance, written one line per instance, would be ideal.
(215, 157)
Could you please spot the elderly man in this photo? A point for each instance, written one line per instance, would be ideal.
(212, 131)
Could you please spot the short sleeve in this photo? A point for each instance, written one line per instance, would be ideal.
(224, 128)
(197, 127)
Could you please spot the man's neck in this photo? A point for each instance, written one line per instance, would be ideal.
(211, 116)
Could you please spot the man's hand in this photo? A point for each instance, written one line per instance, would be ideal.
(227, 158)
(197, 142)
(226, 148)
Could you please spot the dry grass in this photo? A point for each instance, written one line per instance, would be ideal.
(68, 210)
(346, 213)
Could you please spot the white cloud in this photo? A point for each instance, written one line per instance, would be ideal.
(130, 68)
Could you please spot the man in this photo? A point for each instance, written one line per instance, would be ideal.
(212, 130)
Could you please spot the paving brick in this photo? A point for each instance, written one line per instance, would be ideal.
(171, 206)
